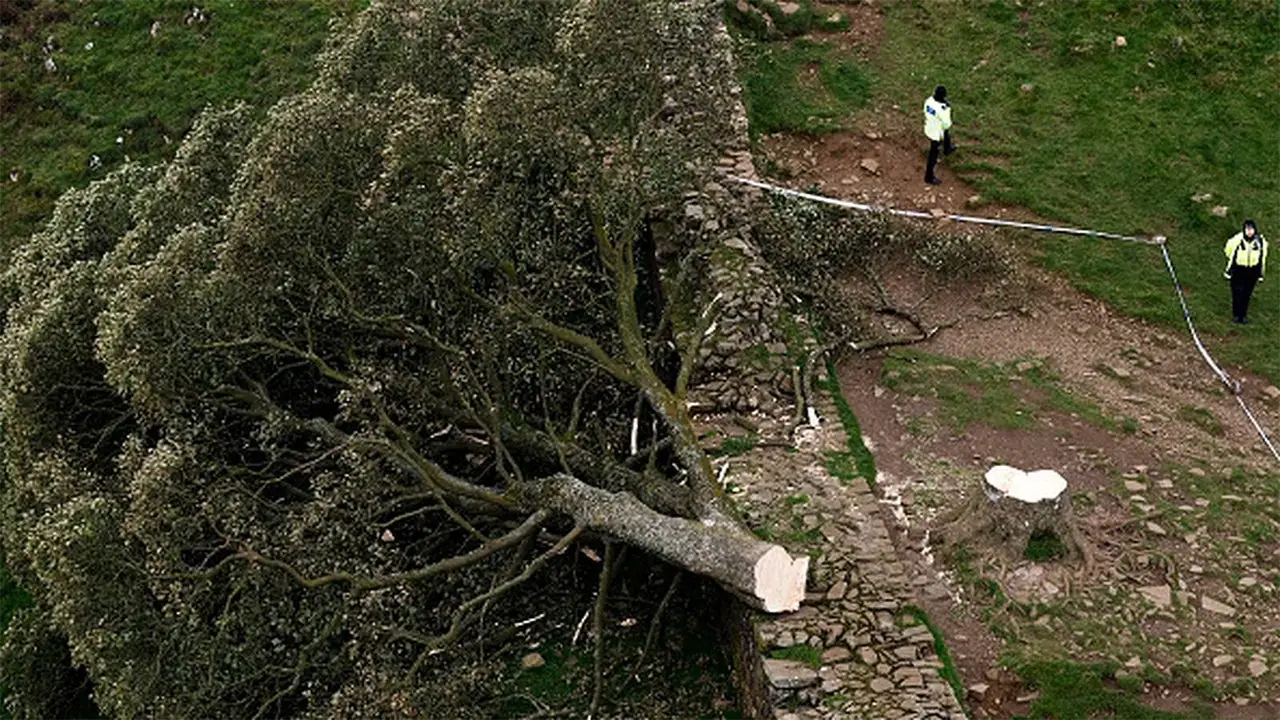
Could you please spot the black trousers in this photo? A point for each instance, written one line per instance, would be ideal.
(934, 146)
(1242, 281)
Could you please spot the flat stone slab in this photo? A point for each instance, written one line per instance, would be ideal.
(1161, 595)
(1215, 606)
(789, 674)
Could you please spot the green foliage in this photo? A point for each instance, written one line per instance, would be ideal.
(1116, 138)
(1071, 691)
(801, 86)
(816, 248)
(245, 352)
(807, 654)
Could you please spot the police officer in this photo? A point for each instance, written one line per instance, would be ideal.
(937, 127)
(1246, 265)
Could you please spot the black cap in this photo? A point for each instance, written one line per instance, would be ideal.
(940, 93)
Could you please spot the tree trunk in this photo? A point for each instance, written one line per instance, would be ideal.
(1012, 507)
(764, 574)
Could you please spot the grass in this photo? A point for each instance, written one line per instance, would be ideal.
(858, 451)
(1075, 691)
(1201, 418)
(948, 670)
(996, 395)
(121, 92)
(736, 445)
(806, 654)
(800, 86)
(1114, 138)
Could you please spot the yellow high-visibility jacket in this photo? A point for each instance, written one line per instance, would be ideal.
(937, 118)
(1246, 253)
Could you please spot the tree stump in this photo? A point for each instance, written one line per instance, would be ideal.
(1012, 508)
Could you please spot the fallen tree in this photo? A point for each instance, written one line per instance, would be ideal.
(285, 418)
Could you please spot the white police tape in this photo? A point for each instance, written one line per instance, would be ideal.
(1232, 385)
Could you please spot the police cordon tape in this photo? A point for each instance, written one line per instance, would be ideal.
(1231, 384)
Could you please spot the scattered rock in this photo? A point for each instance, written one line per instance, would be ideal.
(1155, 529)
(1134, 486)
(1222, 660)
(1027, 87)
(1220, 210)
(1214, 606)
(789, 8)
(834, 18)
(1201, 197)
(978, 691)
(532, 661)
(867, 655)
(1248, 581)
(881, 685)
(870, 166)
(1133, 663)
(1196, 472)
(835, 655)
(1120, 41)
(1257, 667)
(1160, 595)
(789, 674)
(1271, 394)
(872, 135)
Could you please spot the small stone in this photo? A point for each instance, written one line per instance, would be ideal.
(1214, 606)
(789, 8)
(838, 591)
(1195, 569)
(1271, 393)
(1155, 529)
(1257, 667)
(1248, 581)
(1027, 87)
(979, 690)
(789, 674)
(1160, 595)
(1134, 486)
(1120, 41)
(973, 201)
(1201, 197)
(881, 685)
(1141, 469)
(867, 655)
(1133, 662)
(1221, 660)
(1196, 472)
(835, 655)
(870, 166)
(1220, 210)
(532, 661)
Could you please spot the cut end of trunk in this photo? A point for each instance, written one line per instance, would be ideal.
(1032, 487)
(780, 580)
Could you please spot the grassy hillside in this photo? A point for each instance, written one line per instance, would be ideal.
(1053, 114)
(124, 79)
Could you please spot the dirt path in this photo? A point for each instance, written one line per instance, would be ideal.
(1172, 446)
